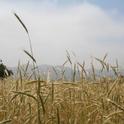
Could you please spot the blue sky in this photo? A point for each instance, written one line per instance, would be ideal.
(86, 27)
(110, 4)
(106, 4)
(103, 3)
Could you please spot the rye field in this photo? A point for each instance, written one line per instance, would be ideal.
(91, 99)
(99, 101)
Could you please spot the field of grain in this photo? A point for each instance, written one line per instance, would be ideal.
(83, 102)
(92, 99)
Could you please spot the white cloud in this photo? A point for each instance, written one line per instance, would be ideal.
(85, 29)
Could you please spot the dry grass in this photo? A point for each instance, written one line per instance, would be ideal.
(87, 102)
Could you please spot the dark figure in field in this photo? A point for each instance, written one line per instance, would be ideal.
(4, 72)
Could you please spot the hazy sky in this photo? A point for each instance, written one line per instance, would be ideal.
(85, 27)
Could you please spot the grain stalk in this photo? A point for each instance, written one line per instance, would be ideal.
(30, 44)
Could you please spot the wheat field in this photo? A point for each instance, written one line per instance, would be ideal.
(58, 102)
(28, 99)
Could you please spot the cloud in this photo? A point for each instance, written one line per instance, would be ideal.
(85, 29)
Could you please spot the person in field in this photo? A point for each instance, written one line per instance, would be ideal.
(4, 72)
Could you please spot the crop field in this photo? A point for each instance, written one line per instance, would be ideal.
(58, 102)
(27, 98)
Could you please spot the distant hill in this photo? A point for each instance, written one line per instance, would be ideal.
(54, 72)
(59, 72)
